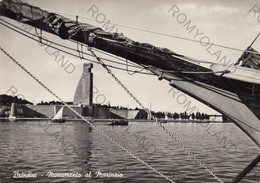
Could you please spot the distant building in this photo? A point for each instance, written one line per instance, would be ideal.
(217, 118)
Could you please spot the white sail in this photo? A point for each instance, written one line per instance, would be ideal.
(59, 114)
(166, 116)
(149, 116)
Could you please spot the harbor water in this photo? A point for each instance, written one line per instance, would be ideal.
(41, 151)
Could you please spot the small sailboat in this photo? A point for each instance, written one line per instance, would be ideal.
(58, 118)
(165, 119)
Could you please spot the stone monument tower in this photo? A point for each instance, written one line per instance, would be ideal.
(84, 91)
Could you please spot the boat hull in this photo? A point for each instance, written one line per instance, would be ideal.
(223, 101)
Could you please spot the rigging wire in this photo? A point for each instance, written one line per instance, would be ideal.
(81, 53)
(110, 55)
(194, 72)
(198, 161)
(119, 68)
(82, 57)
(188, 72)
(72, 49)
(84, 119)
(157, 33)
(127, 69)
(39, 36)
(190, 59)
(140, 29)
(126, 63)
(162, 70)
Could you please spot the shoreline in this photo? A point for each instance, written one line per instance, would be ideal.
(105, 120)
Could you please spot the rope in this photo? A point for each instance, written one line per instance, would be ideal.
(82, 57)
(148, 111)
(119, 82)
(76, 50)
(126, 63)
(195, 72)
(84, 119)
(104, 65)
(144, 30)
(154, 32)
(39, 36)
(191, 59)
(110, 55)
(71, 53)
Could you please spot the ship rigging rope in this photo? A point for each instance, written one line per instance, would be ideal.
(132, 64)
(41, 38)
(181, 57)
(84, 119)
(140, 29)
(188, 152)
(194, 72)
(158, 33)
(81, 57)
(142, 67)
(94, 55)
(126, 63)
(163, 71)
(75, 55)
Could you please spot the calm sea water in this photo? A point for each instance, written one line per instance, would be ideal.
(73, 147)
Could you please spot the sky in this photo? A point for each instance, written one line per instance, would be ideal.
(229, 23)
